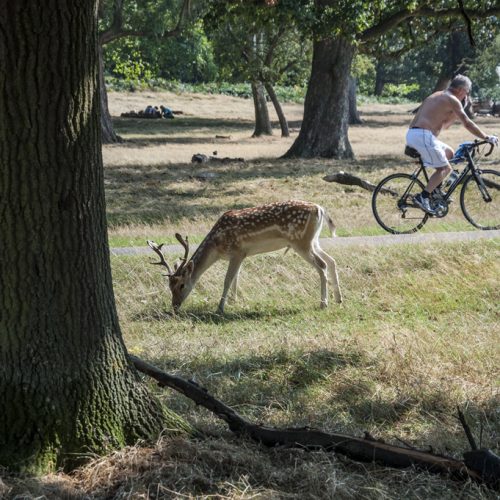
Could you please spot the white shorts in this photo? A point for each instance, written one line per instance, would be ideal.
(432, 151)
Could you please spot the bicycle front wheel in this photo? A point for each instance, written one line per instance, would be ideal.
(393, 207)
(480, 201)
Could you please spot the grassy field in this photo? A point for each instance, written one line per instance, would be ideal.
(416, 335)
(153, 188)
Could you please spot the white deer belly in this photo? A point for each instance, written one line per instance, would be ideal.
(263, 246)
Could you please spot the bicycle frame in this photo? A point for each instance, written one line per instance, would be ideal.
(469, 168)
(404, 187)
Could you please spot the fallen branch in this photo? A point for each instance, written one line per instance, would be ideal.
(352, 180)
(467, 430)
(201, 158)
(360, 449)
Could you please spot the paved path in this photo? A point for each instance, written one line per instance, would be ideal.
(386, 239)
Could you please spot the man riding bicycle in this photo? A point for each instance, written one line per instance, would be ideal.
(438, 112)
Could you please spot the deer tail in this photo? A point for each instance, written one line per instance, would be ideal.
(330, 222)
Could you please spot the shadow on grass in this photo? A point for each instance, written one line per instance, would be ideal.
(272, 373)
(199, 315)
(130, 189)
(164, 131)
(283, 381)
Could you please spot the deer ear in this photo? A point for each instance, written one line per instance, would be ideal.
(190, 266)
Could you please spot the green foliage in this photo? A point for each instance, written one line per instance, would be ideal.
(401, 90)
(363, 69)
(188, 57)
(126, 61)
(257, 43)
(483, 71)
(285, 93)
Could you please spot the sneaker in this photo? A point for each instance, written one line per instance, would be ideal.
(424, 204)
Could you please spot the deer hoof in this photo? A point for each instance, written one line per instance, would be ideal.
(323, 305)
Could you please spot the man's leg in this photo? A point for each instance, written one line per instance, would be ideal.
(423, 199)
(437, 178)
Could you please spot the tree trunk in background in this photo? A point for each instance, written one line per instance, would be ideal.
(108, 134)
(354, 117)
(279, 110)
(442, 82)
(326, 111)
(262, 122)
(67, 388)
(379, 78)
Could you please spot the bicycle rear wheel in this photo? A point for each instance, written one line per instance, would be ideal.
(393, 207)
(477, 210)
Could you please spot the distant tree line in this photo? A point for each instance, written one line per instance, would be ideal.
(205, 52)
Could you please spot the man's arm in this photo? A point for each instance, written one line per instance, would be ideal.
(466, 121)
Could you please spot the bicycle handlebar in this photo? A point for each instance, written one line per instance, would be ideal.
(477, 143)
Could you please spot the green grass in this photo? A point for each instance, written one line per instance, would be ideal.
(417, 334)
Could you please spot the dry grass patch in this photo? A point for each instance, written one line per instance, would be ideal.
(225, 468)
(152, 190)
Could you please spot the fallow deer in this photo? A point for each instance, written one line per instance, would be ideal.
(241, 233)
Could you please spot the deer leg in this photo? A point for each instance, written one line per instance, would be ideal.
(332, 268)
(233, 293)
(320, 265)
(232, 272)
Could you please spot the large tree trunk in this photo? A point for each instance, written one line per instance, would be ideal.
(67, 388)
(108, 134)
(354, 118)
(262, 122)
(326, 110)
(279, 110)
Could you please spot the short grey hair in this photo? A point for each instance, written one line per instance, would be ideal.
(460, 81)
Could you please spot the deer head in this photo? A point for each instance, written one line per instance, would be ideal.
(179, 280)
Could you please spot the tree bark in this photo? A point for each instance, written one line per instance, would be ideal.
(262, 121)
(67, 388)
(285, 132)
(108, 134)
(354, 117)
(326, 112)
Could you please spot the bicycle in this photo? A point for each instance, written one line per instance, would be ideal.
(395, 211)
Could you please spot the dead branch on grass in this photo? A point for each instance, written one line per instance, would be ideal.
(350, 180)
(479, 468)
(201, 158)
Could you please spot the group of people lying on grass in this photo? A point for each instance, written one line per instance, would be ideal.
(150, 112)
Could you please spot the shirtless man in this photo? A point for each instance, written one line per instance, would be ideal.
(438, 112)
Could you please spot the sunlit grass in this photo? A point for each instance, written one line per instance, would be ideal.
(417, 334)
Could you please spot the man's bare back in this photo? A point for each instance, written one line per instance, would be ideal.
(438, 111)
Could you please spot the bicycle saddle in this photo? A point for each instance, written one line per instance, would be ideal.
(413, 153)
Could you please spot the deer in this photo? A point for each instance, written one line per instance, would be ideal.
(238, 234)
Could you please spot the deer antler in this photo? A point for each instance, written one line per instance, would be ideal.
(185, 244)
(157, 249)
